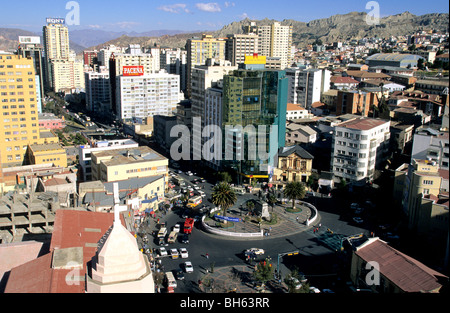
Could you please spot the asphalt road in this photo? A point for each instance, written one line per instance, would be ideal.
(316, 251)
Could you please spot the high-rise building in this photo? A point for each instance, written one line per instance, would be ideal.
(360, 145)
(355, 102)
(30, 46)
(238, 46)
(98, 92)
(19, 124)
(252, 99)
(146, 95)
(306, 86)
(135, 56)
(63, 71)
(275, 40)
(56, 45)
(199, 50)
(174, 61)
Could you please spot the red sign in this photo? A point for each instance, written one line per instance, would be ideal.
(133, 70)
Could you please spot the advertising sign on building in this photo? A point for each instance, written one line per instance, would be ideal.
(51, 20)
(30, 39)
(133, 70)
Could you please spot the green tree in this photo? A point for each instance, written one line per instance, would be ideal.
(224, 177)
(223, 196)
(295, 191)
(263, 272)
(272, 200)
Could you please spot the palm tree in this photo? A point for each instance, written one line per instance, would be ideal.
(295, 191)
(271, 200)
(223, 196)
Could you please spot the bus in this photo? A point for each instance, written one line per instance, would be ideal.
(193, 202)
(173, 237)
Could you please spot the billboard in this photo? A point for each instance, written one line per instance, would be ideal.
(30, 39)
(51, 20)
(133, 70)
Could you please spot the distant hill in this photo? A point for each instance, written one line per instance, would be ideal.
(351, 26)
(94, 37)
(9, 39)
(338, 27)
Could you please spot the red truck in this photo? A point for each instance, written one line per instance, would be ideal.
(188, 225)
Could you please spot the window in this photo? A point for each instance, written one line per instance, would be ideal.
(428, 182)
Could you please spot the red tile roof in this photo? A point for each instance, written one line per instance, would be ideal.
(343, 80)
(72, 228)
(362, 123)
(405, 272)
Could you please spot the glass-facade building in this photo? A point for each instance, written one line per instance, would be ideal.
(253, 120)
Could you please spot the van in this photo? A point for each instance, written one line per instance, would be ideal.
(201, 193)
(162, 232)
(170, 280)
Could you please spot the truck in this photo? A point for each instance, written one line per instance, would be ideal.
(173, 237)
(193, 202)
(188, 225)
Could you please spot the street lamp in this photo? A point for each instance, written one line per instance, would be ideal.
(280, 255)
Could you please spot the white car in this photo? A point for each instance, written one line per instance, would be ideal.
(314, 290)
(188, 267)
(176, 228)
(174, 253)
(162, 251)
(184, 253)
(256, 251)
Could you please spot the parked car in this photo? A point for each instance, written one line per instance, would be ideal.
(174, 253)
(314, 290)
(354, 206)
(358, 220)
(183, 253)
(185, 239)
(188, 267)
(162, 251)
(179, 274)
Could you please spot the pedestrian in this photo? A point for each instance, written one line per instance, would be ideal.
(207, 256)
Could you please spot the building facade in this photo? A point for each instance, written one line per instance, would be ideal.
(275, 40)
(147, 95)
(359, 146)
(19, 122)
(306, 86)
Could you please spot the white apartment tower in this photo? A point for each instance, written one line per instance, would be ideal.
(147, 95)
(276, 41)
(359, 146)
(307, 86)
(240, 45)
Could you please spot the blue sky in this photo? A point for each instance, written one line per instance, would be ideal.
(189, 15)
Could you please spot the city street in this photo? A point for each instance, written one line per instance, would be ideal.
(316, 250)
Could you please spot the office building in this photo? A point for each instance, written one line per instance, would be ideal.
(85, 153)
(238, 46)
(253, 98)
(275, 40)
(199, 50)
(146, 95)
(306, 86)
(359, 146)
(19, 121)
(30, 46)
(174, 61)
(355, 102)
(431, 144)
(56, 47)
(124, 164)
(135, 56)
(98, 92)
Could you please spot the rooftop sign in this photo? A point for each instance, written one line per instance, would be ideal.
(133, 70)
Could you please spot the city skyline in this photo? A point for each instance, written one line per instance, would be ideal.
(192, 15)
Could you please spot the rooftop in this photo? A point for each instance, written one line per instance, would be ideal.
(362, 123)
(405, 272)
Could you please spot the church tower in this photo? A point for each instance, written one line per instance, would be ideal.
(119, 266)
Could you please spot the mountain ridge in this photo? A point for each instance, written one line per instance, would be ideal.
(338, 27)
